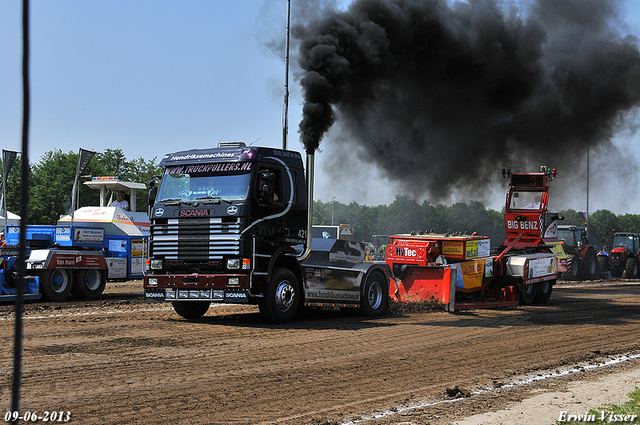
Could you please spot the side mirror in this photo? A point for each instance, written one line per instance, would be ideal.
(153, 192)
(153, 182)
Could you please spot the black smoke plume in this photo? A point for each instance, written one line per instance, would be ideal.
(440, 95)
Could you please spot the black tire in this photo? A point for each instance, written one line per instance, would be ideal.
(55, 285)
(191, 309)
(282, 297)
(631, 268)
(375, 294)
(573, 268)
(603, 267)
(543, 292)
(527, 293)
(89, 283)
(590, 266)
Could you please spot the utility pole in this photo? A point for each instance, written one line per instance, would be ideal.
(285, 112)
(333, 201)
(586, 218)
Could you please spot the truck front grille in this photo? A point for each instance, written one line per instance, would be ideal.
(195, 239)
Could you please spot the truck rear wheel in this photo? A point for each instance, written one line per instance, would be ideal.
(527, 293)
(631, 268)
(543, 292)
(375, 294)
(191, 309)
(89, 283)
(573, 267)
(590, 266)
(282, 297)
(55, 285)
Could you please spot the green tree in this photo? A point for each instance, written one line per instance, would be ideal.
(601, 224)
(572, 217)
(14, 185)
(403, 216)
(53, 178)
(629, 223)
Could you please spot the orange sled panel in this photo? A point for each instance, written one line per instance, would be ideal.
(425, 284)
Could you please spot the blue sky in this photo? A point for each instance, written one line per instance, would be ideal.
(151, 77)
(147, 77)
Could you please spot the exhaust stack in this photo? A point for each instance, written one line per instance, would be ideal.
(310, 176)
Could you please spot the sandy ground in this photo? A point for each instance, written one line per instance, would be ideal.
(577, 399)
(123, 360)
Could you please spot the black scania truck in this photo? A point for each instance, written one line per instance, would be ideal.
(232, 224)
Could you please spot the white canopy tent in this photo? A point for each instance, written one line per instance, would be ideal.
(12, 219)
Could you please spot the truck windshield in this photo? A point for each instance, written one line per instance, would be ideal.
(525, 200)
(208, 181)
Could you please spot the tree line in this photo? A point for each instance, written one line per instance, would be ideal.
(405, 215)
(51, 182)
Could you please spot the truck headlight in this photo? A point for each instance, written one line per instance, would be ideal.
(156, 264)
(35, 265)
(237, 263)
(153, 281)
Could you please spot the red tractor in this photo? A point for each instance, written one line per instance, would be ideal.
(582, 261)
(622, 259)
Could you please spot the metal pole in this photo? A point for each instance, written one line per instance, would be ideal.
(285, 113)
(333, 201)
(22, 248)
(587, 213)
(4, 201)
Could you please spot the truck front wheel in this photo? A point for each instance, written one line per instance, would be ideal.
(282, 297)
(89, 283)
(191, 309)
(375, 294)
(55, 285)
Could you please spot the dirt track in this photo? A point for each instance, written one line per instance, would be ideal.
(121, 360)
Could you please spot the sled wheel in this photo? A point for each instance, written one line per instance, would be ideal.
(191, 309)
(590, 270)
(282, 297)
(543, 292)
(527, 293)
(573, 267)
(375, 294)
(55, 285)
(89, 283)
(631, 268)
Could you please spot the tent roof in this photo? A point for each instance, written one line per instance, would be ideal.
(10, 216)
(114, 185)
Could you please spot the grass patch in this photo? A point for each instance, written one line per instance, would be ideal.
(628, 412)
